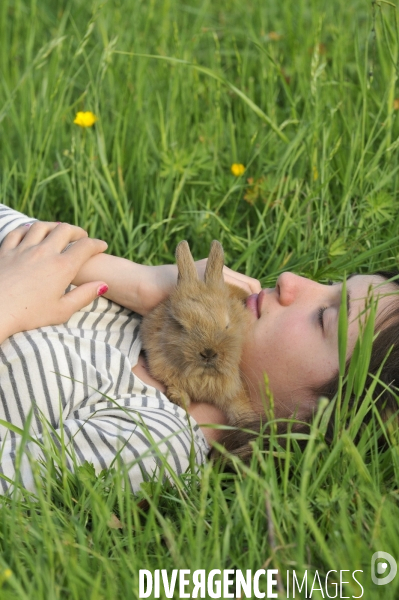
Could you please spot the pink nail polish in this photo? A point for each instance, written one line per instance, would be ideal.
(102, 289)
(28, 224)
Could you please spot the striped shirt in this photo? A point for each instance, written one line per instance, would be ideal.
(77, 380)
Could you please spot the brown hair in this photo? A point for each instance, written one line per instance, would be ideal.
(238, 442)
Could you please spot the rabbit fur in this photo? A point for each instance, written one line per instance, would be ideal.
(193, 339)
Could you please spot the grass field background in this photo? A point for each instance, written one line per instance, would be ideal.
(305, 95)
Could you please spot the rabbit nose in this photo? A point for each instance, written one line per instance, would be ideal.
(208, 354)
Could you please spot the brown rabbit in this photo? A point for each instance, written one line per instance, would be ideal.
(193, 339)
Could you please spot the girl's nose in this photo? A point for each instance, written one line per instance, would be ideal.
(289, 286)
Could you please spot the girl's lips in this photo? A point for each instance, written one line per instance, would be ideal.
(252, 304)
(260, 299)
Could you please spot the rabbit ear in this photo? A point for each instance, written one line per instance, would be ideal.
(185, 263)
(215, 263)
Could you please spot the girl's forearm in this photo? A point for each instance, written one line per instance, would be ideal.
(137, 287)
(122, 277)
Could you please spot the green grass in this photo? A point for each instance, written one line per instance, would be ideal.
(182, 91)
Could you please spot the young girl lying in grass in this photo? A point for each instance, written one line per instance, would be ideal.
(75, 359)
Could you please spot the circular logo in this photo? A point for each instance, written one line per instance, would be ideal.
(380, 568)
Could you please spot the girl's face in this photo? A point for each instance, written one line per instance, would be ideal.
(293, 337)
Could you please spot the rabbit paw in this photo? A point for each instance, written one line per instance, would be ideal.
(178, 397)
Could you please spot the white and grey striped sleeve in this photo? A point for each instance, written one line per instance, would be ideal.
(144, 443)
(11, 219)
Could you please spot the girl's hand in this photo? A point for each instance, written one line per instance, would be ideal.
(35, 269)
(249, 284)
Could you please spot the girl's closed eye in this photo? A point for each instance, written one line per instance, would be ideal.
(320, 316)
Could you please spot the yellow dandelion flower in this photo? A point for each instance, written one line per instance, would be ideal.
(4, 576)
(85, 119)
(315, 173)
(274, 36)
(396, 104)
(237, 169)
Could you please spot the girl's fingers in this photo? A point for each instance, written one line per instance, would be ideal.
(14, 238)
(59, 235)
(37, 232)
(62, 237)
(83, 249)
(65, 239)
(79, 297)
(249, 284)
(244, 281)
(243, 285)
(65, 234)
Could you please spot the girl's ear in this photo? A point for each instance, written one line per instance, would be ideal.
(187, 272)
(214, 266)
